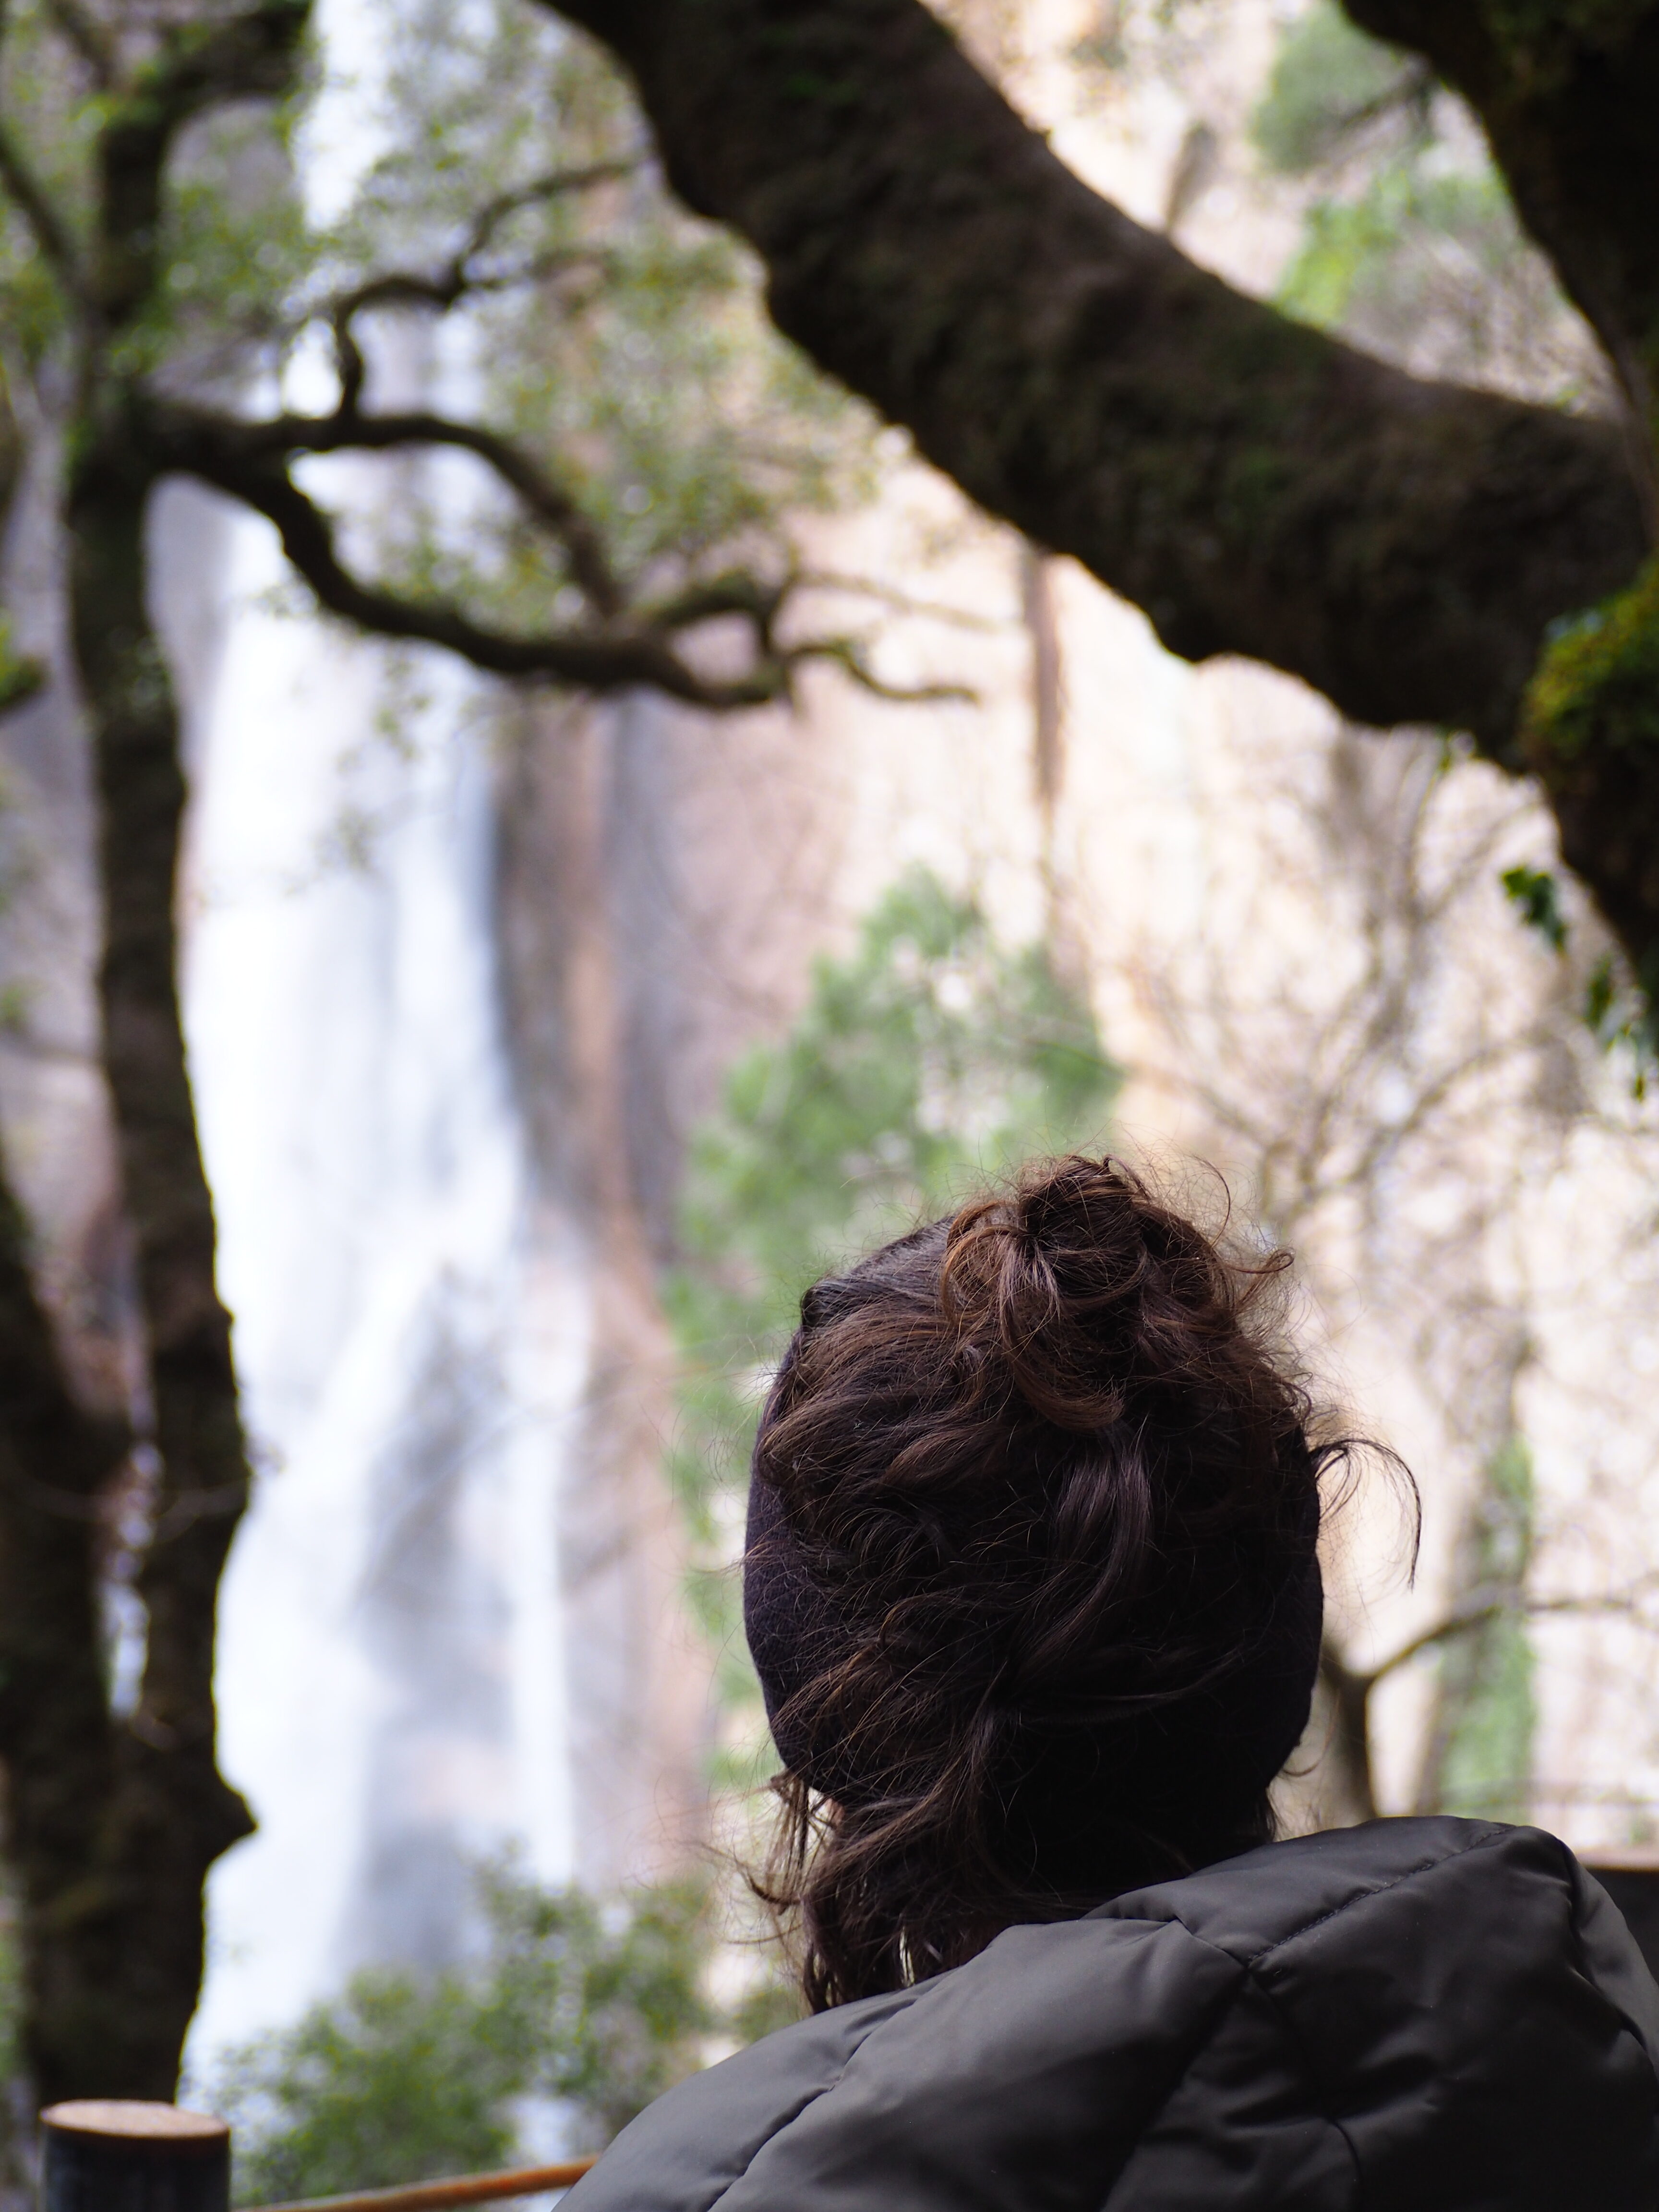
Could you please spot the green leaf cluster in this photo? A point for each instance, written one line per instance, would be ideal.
(930, 1059)
(1411, 244)
(624, 343)
(1597, 681)
(1537, 896)
(1329, 80)
(406, 2078)
(1364, 256)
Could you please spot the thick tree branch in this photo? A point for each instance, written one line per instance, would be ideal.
(57, 1737)
(1256, 487)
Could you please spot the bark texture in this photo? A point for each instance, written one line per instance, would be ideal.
(1403, 545)
(125, 1967)
(1256, 487)
(113, 1818)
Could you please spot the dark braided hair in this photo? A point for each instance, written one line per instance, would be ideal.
(1030, 1582)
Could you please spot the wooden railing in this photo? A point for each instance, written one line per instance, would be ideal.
(438, 2196)
(111, 2155)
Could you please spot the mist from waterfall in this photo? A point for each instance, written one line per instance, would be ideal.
(390, 1676)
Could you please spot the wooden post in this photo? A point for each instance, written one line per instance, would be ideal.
(107, 2154)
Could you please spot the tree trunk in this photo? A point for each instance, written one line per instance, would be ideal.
(113, 1821)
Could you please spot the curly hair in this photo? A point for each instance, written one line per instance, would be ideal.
(1031, 1580)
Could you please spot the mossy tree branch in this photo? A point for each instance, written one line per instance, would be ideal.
(1258, 488)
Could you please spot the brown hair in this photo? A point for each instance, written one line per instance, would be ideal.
(1030, 1582)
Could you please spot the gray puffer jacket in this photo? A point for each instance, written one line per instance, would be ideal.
(1432, 2015)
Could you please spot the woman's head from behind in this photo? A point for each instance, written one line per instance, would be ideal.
(1030, 1582)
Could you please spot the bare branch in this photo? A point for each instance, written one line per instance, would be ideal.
(406, 288)
(553, 185)
(851, 656)
(29, 196)
(736, 593)
(551, 505)
(89, 38)
(904, 602)
(248, 462)
(619, 661)
(1470, 1620)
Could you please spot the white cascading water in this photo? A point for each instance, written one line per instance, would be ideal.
(410, 1348)
(390, 1672)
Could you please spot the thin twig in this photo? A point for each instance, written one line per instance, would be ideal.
(28, 196)
(493, 213)
(409, 287)
(548, 501)
(89, 38)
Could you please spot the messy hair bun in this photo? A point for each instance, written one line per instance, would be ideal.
(1031, 1580)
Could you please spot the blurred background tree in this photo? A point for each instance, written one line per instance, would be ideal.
(933, 1060)
(401, 2078)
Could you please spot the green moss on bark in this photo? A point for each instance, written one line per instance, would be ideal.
(1597, 683)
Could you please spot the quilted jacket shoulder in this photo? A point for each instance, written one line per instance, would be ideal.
(1435, 2015)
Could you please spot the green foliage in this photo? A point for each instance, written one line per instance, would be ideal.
(1537, 896)
(392, 2083)
(1488, 1710)
(40, 84)
(1619, 1011)
(1595, 689)
(232, 244)
(1358, 255)
(619, 339)
(1597, 682)
(932, 1058)
(1329, 80)
(1411, 245)
(405, 2078)
(21, 677)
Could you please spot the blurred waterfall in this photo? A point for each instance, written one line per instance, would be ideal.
(391, 1675)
